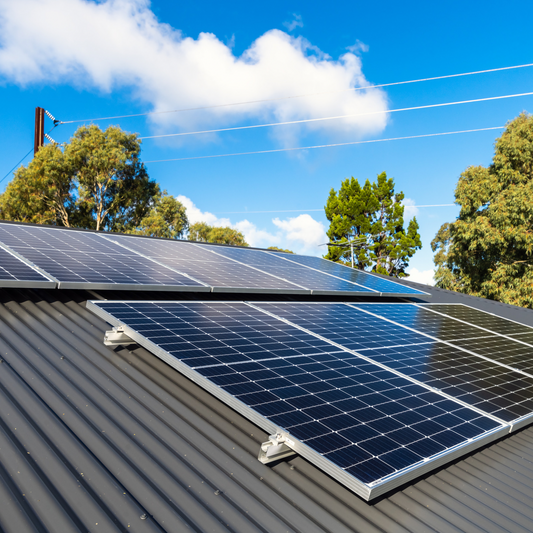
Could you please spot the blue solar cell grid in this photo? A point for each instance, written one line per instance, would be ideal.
(14, 272)
(483, 383)
(209, 268)
(300, 275)
(366, 420)
(349, 274)
(77, 258)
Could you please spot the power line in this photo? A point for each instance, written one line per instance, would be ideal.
(381, 112)
(310, 210)
(30, 151)
(299, 95)
(325, 145)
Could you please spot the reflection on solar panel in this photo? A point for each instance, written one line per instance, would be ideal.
(479, 318)
(82, 259)
(365, 425)
(212, 269)
(356, 276)
(305, 277)
(15, 273)
(484, 384)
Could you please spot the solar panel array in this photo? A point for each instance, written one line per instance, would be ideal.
(374, 394)
(85, 259)
(16, 273)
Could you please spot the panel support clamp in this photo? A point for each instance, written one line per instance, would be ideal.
(275, 448)
(117, 337)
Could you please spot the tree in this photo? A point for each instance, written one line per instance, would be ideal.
(202, 232)
(276, 249)
(96, 181)
(488, 250)
(167, 218)
(371, 215)
(41, 193)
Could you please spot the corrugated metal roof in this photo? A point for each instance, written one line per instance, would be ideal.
(95, 439)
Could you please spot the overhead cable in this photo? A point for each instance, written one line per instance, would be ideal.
(351, 115)
(310, 210)
(249, 102)
(325, 145)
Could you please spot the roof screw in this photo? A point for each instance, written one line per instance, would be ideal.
(62, 357)
(292, 467)
(144, 516)
(217, 492)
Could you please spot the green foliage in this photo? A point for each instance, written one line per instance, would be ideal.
(96, 182)
(167, 218)
(488, 250)
(202, 232)
(374, 214)
(276, 249)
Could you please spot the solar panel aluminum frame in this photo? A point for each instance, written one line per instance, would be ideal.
(366, 491)
(53, 283)
(328, 293)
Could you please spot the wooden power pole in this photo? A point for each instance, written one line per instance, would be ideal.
(39, 129)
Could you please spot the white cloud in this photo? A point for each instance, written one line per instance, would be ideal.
(301, 234)
(113, 44)
(303, 231)
(421, 276)
(296, 22)
(410, 210)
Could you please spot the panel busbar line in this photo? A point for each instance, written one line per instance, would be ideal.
(79, 259)
(223, 275)
(14, 272)
(317, 282)
(366, 426)
(356, 276)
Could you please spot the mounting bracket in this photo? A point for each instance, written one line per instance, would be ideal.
(117, 337)
(275, 448)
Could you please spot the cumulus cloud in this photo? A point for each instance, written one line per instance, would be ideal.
(113, 44)
(303, 231)
(421, 276)
(301, 234)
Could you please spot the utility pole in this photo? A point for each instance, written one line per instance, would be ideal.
(39, 129)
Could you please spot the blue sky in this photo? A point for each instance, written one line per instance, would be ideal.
(83, 60)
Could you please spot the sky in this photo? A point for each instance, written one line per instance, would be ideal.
(286, 61)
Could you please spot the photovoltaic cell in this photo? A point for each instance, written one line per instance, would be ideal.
(209, 268)
(349, 274)
(77, 259)
(292, 272)
(15, 273)
(342, 411)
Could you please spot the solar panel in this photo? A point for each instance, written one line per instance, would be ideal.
(224, 275)
(367, 426)
(356, 276)
(481, 319)
(317, 282)
(16, 273)
(79, 259)
(484, 384)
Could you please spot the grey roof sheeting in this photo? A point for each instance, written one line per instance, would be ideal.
(95, 439)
